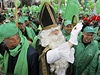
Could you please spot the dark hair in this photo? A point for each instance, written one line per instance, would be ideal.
(85, 26)
(2, 18)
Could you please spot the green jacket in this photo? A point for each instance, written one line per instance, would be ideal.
(96, 37)
(96, 29)
(94, 67)
(98, 64)
(83, 55)
(31, 34)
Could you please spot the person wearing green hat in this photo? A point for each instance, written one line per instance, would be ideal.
(31, 25)
(94, 66)
(12, 18)
(19, 58)
(30, 17)
(33, 22)
(84, 51)
(67, 28)
(26, 31)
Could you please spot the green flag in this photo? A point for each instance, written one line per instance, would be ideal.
(85, 4)
(72, 8)
(43, 1)
(98, 6)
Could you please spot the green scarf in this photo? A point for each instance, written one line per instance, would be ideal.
(1, 60)
(30, 32)
(31, 35)
(21, 67)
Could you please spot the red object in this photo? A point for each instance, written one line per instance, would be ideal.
(98, 18)
(85, 18)
(93, 18)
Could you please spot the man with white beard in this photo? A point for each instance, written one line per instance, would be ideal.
(59, 52)
(54, 52)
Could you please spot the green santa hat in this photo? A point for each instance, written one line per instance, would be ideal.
(88, 29)
(7, 30)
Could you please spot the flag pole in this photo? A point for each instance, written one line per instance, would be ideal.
(16, 8)
(59, 4)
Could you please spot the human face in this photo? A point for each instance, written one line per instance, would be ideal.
(12, 18)
(55, 39)
(55, 32)
(21, 26)
(87, 37)
(9, 43)
(68, 28)
(26, 22)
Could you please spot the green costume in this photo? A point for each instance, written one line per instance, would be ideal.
(98, 64)
(94, 67)
(31, 34)
(34, 26)
(96, 30)
(67, 35)
(83, 55)
(21, 67)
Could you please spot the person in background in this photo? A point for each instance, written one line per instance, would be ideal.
(26, 31)
(12, 18)
(67, 28)
(59, 18)
(33, 22)
(30, 17)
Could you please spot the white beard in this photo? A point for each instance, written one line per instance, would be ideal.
(60, 66)
(54, 41)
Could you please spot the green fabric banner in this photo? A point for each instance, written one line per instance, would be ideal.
(72, 8)
(85, 4)
(98, 6)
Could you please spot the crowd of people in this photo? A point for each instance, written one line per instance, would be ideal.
(49, 45)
